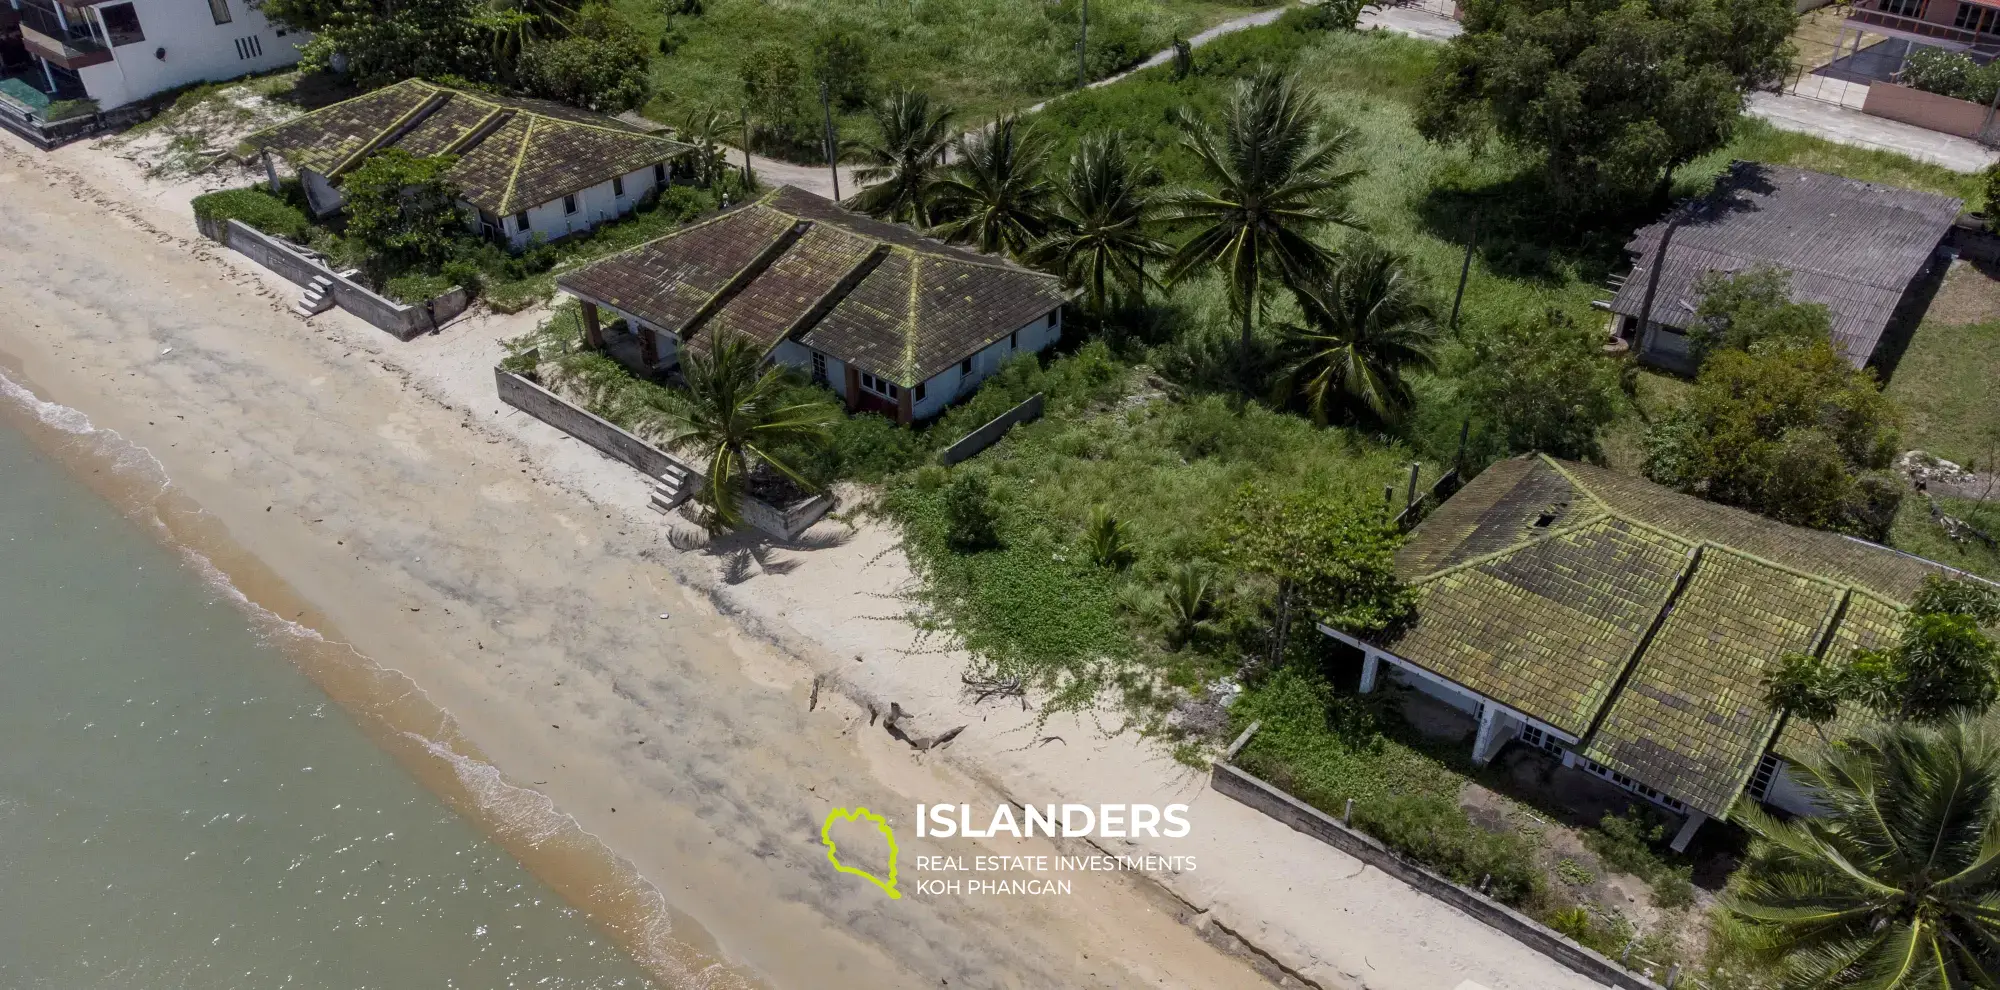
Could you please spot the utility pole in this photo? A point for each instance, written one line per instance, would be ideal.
(832, 142)
(1465, 270)
(1083, 40)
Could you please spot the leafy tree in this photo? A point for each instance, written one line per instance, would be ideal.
(1753, 310)
(706, 129)
(1537, 385)
(1367, 321)
(1271, 179)
(840, 60)
(384, 41)
(994, 194)
(1098, 240)
(779, 94)
(1808, 687)
(602, 67)
(512, 26)
(734, 417)
(1109, 540)
(404, 208)
(972, 521)
(1333, 554)
(1614, 95)
(1895, 886)
(1944, 664)
(901, 170)
(1795, 434)
(1337, 15)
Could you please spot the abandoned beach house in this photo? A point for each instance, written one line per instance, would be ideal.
(894, 322)
(1862, 250)
(1627, 629)
(528, 170)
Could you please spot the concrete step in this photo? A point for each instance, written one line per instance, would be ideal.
(322, 282)
(306, 311)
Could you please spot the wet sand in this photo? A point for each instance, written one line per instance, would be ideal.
(337, 496)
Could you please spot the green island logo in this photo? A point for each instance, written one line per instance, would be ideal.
(833, 852)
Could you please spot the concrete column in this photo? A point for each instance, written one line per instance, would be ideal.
(271, 171)
(853, 383)
(1495, 728)
(649, 346)
(1688, 829)
(593, 333)
(1371, 669)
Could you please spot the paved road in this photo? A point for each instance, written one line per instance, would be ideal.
(1845, 126)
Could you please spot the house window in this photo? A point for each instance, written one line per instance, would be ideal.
(1904, 8)
(1973, 17)
(250, 47)
(617, 185)
(1543, 741)
(965, 367)
(569, 205)
(1760, 782)
(920, 392)
(660, 173)
(878, 386)
(219, 9)
(1014, 340)
(521, 220)
(121, 24)
(1052, 319)
(819, 368)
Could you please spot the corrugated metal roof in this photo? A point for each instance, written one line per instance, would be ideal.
(1852, 246)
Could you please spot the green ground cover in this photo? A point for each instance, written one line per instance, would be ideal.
(981, 56)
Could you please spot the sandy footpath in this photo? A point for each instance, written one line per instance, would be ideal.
(376, 478)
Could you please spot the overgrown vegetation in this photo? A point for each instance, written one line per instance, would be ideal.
(255, 208)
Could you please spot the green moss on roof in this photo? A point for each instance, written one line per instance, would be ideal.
(513, 153)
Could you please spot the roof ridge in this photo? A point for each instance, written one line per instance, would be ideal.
(1551, 533)
(287, 122)
(520, 159)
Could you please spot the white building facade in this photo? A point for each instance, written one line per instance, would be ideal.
(119, 52)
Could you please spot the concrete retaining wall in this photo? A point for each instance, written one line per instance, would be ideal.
(613, 441)
(1305, 818)
(404, 321)
(990, 434)
(1927, 110)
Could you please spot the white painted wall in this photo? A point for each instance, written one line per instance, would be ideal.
(197, 50)
(593, 206)
(952, 383)
(1789, 792)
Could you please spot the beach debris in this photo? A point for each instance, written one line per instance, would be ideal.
(165, 351)
(991, 687)
(813, 702)
(663, 615)
(921, 744)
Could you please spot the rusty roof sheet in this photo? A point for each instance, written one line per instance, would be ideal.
(513, 153)
(875, 295)
(1852, 246)
(1537, 584)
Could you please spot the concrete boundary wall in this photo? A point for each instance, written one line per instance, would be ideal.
(990, 434)
(613, 441)
(1249, 790)
(401, 320)
(1927, 110)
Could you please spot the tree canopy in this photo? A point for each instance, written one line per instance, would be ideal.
(601, 67)
(1943, 666)
(1334, 552)
(1614, 94)
(404, 207)
(1536, 384)
(1753, 311)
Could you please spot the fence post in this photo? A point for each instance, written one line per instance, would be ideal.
(1347, 814)
(1389, 495)
(1411, 498)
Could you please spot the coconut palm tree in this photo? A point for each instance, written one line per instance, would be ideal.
(733, 418)
(1098, 237)
(707, 128)
(1272, 177)
(901, 170)
(1366, 323)
(1897, 885)
(995, 197)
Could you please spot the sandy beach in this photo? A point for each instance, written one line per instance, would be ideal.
(657, 732)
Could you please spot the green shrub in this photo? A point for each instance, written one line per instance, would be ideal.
(255, 208)
(65, 109)
(416, 288)
(971, 519)
(869, 447)
(1434, 831)
(1632, 843)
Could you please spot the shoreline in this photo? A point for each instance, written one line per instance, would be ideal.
(370, 495)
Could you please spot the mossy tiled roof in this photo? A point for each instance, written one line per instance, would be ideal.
(1638, 619)
(876, 295)
(513, 153)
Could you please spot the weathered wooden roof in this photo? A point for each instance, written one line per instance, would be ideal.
(1638, 619)
(1851, 246)
(794, 266)
(512, 153)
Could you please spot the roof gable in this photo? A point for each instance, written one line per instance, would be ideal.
(513, 153)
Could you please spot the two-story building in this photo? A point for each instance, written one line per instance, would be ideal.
(117, 52)
(1957, 25)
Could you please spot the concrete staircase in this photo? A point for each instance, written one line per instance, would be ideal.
(673, 488)
(318, 296)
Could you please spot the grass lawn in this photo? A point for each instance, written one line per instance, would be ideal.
(981, 56)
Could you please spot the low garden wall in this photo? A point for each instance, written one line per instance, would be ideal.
(990, 434)
(1260, 795)
(615, 442)
(1930, 111)
(400, 319)
(47, 134)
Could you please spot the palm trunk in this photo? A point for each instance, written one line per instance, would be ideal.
(1243, 356)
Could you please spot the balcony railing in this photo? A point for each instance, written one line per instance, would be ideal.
(66, 42)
